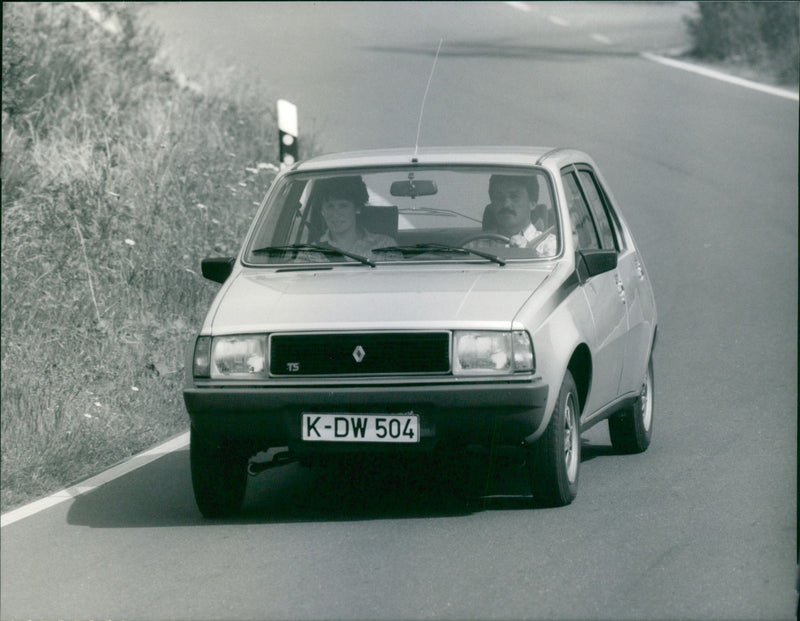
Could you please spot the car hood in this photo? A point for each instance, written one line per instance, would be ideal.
(367, 299)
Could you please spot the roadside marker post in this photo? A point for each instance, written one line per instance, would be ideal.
(287, 132)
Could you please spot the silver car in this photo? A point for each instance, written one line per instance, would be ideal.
(407, 302)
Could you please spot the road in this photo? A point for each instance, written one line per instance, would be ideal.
(701, 526)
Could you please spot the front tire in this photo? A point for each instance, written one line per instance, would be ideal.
(554, 459)
(219, 476)
(632, 429)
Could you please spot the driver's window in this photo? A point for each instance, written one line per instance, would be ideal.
(584, 232)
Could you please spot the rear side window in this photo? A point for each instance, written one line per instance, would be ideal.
(592, 193)
(584, 234)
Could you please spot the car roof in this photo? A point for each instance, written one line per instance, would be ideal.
(488, 155)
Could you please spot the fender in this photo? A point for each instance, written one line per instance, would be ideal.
(562, 319)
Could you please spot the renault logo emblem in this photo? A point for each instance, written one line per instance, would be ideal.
(359, 353)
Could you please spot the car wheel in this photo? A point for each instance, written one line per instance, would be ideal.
(219, 476)
(554, 459)
(631, 429)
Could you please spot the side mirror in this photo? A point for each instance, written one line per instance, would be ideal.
(217, 269)
(594, 262)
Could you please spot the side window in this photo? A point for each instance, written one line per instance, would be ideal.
(584, 232)
(589, 185)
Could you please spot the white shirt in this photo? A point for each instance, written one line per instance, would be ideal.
(546, 247)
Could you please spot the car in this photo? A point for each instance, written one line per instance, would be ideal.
(410, 301)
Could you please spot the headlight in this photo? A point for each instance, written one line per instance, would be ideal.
(231, 357)
(492, 352)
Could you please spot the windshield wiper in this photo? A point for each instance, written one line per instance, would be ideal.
(314, 248)
(423, 248)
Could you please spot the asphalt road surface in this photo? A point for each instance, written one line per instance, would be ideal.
(702, 525)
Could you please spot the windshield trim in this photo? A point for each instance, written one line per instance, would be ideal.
(284, 180)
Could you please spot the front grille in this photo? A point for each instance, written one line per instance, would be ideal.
(359, 353)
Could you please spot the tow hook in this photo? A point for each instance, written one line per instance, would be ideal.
(278, 459)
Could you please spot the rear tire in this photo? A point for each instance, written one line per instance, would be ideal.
(219, 476)
(554, 459)
(632, 429)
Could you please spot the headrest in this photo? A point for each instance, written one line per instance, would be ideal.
(379, 219)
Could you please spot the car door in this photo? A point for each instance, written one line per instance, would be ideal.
(634, 283)
(605, 297)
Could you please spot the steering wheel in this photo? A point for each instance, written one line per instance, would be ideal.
(491, 236)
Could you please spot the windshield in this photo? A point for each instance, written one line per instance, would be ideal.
(408, 214)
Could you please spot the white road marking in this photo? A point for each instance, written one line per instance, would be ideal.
(601, 38)
(135, 462)
(558, 21)
(520, 6)
(718, 75)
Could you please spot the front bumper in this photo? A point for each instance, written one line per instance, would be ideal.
(259, 417)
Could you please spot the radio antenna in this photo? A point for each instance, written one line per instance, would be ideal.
(425, 96)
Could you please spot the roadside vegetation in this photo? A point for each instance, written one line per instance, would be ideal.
(762, 37)
(116, 181)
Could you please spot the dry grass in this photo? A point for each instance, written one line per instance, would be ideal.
(115, 183)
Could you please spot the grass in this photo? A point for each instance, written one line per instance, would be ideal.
(116, 181)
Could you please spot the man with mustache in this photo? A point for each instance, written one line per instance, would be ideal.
(509, 214)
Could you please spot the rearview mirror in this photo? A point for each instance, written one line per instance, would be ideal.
(413, 188)
(217, 269)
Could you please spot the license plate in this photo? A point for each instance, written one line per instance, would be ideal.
(360, 427)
